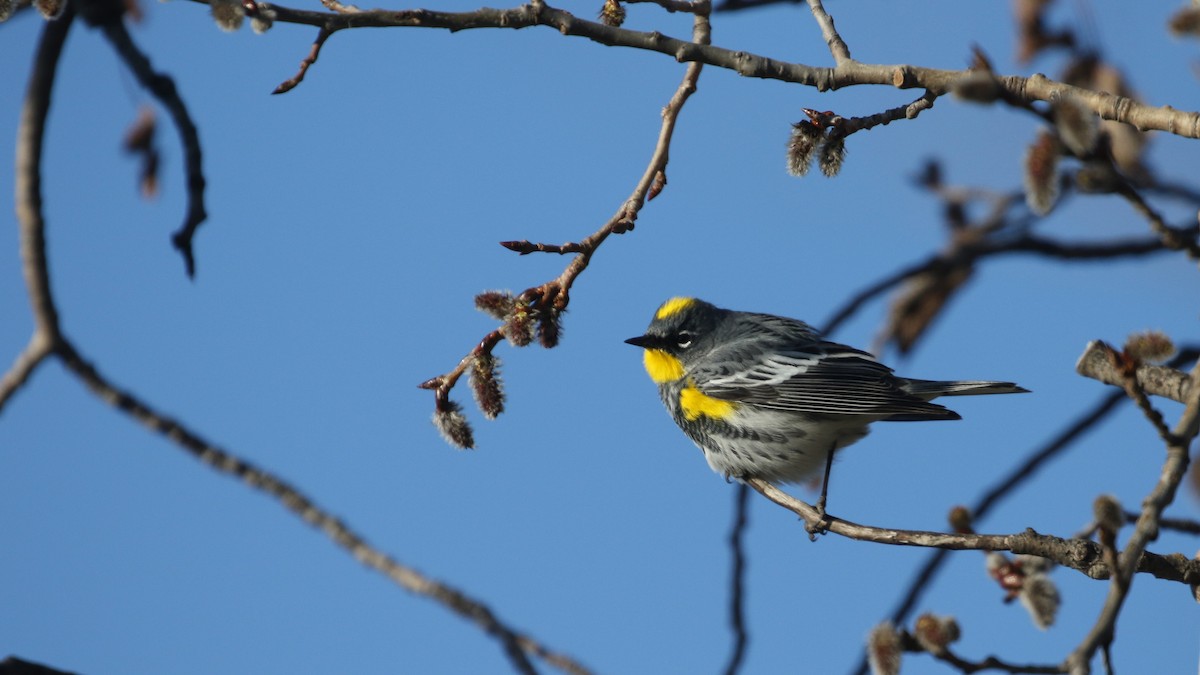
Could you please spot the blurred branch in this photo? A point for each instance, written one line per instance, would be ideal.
(737, 598)
(963, 665)
(973, 252)
(548, 301)
(162, 87)
(1012, 88)
(1176, 239)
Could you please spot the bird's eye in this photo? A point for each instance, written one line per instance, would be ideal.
(683, 340)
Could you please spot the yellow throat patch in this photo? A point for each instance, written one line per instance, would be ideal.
(695, 403)
(661, 366)
(673, 306)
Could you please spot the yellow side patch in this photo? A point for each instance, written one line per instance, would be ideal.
(694, 404)
(673, 306)
(661, 366)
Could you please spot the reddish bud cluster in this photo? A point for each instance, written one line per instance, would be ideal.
(820, 136)
(486, 385)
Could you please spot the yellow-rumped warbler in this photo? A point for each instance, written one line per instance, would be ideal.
(767, 397)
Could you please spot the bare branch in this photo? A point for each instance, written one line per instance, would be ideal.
(162, 87)
(851, 73)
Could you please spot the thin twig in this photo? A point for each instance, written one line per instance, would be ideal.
(162, 87)
(737, 596)
(908, 111)
(525, 247)
(313, 54)
(1177, 239)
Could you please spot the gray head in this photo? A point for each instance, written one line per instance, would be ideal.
(684, 328)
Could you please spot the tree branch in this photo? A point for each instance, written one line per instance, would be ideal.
(852, 73)
(1145, 531)
(1078, 554)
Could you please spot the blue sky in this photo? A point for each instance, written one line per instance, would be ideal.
(351, 223)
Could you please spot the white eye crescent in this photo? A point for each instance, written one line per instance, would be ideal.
(683, 340)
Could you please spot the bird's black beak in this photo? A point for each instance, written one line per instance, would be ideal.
(639, 341)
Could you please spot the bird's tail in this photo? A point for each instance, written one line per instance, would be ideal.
(928, 389)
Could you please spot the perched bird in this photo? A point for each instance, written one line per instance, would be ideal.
(767, 397)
